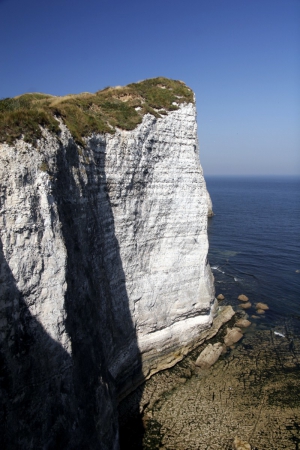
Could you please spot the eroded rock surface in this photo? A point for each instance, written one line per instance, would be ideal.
(251, 393)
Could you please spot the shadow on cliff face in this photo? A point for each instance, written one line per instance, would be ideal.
(49, 398)
(38, 405)
(104, 342)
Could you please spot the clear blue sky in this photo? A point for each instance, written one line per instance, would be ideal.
(241, 57)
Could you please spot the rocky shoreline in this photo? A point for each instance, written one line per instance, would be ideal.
(248, 399)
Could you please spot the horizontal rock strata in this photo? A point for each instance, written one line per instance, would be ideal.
(104, 273)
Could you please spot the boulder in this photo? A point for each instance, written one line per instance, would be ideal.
(243, 323)
(209, 355)
(225, 315)
(220, 297)
(243, 298)
(260, 311)
(245, 305)
(261, 306)
(238, 444)
(233, 335)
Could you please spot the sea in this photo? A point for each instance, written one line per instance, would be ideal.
(254, 243)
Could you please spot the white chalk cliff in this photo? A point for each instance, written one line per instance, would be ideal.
(157, 193)
(104, 272)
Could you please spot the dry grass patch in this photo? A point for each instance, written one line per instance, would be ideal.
(86, 113)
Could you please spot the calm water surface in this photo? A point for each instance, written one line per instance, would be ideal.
(255, 242)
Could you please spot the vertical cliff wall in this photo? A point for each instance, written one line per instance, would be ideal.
(104, 274)
(159, 204)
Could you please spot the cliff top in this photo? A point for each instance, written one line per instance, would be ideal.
(86, 113)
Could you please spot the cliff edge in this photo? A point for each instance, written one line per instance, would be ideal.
(104, 269)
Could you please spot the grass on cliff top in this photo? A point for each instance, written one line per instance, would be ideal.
(122, 107)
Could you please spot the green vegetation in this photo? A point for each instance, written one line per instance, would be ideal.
(44, 167)
(102, 112)
(22, 116)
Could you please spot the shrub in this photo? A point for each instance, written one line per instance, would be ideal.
(44, 167)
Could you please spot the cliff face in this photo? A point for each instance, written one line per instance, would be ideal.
(157, 193)
(210, 212)
(104, 274)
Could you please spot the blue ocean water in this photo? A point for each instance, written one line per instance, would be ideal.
(254, 241)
